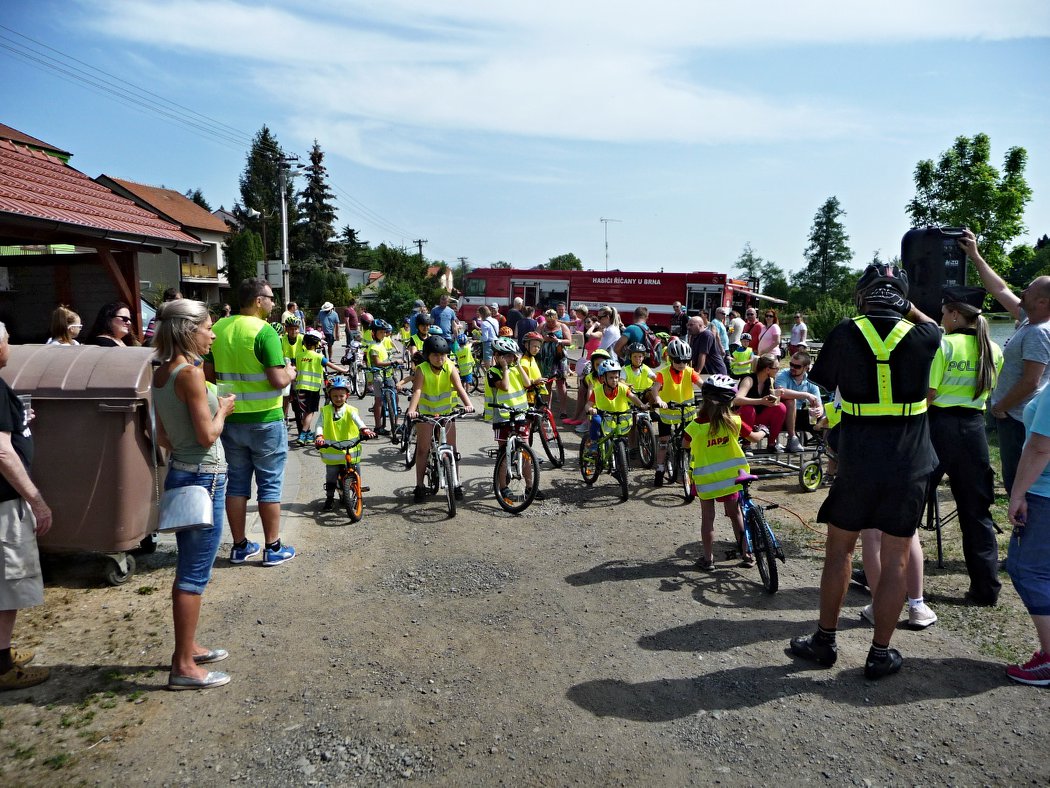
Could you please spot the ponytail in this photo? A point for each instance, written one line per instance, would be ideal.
(986, 372)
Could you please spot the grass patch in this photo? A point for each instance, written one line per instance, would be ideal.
(145, 590)
(58, 761)
(22, 753)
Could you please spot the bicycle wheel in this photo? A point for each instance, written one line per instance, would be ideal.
(351, 375)
(519, 475)
(551, 440)
(363, 379)
(450, 486)
(620, 467)
(646, 443)
(390, 412)
(674, 448)
(351, 492)
(408, 443)
(590, 464)
(758, 528)
(430, 478)
(810, 475)
(685, 476)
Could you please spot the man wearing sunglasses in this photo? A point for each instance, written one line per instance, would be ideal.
(794, 385)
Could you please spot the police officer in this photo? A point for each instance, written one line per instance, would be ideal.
(880, 364)
(963, 374)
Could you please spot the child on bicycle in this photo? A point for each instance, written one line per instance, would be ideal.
(339, 422)
(674, 385)
(588, 382)
(713, 439)
(531, 345)
(638, 375)
(464, 354)
(506, 383)
(611, 395)
(379, 358)
(434, 381)
(291, 344)
(311, 365)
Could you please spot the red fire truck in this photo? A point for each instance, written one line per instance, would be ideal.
(624, 290)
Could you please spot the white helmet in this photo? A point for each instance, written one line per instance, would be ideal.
(505, 345)
(678, 350)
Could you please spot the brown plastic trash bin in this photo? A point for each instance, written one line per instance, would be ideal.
(93, 446)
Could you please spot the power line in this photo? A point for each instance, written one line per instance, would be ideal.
(146, 101)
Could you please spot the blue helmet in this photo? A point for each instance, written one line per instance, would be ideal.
(381, 325)
(339, 382)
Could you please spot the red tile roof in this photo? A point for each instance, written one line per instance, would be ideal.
(171, 204)
(14, 135)
(37, 189)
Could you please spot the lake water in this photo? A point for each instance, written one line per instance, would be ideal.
(1000, 331)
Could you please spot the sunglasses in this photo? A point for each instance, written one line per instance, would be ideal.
(796, 366)
(122, 318)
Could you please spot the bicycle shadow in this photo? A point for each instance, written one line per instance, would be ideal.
(744, 687)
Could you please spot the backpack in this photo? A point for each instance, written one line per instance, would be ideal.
(653, 348)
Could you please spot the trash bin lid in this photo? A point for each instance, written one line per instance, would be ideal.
(83, 372)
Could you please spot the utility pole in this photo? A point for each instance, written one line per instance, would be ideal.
(606, 223)
(284, 167)
(419, 242)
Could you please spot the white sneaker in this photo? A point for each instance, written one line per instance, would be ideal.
(794, 445)
(868, 613)
(920, 616)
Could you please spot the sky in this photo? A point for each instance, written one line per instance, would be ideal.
(506, 131)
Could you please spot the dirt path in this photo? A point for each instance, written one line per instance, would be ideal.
(574, 644)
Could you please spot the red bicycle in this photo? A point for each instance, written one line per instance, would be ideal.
(541, 421)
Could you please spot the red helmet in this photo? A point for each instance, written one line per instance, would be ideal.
(533, 335)
(366, 317)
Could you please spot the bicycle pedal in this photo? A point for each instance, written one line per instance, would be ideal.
(365, 488)
(770, 506)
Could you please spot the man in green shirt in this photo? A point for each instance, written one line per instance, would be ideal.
(247, 360)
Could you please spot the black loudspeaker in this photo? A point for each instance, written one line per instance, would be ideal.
(933, 260)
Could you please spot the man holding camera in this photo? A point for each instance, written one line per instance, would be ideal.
(880, 364)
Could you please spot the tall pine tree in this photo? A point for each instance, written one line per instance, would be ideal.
(827, 271)
(315, 229)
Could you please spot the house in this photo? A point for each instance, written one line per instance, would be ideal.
(197, 275)
(65, 239)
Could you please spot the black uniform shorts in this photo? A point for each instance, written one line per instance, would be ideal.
(893, 506)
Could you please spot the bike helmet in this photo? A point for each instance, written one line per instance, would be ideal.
(435, 331)
(381, 325)
(505, 345)
(293, 321)
(609, 365)
(533, 335)
(462, 339)
(599, 354)
(877, 274)
(339, 382)
(423, 319)
(435, 344)
(506, 331)
(366, 317)
(636, 347)
(720, 388)
(745, 339)
(678, 350)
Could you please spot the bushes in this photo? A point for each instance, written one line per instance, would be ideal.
(827, 314)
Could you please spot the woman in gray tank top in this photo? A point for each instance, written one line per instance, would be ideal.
(190, 418)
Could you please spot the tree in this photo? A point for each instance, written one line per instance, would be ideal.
(315, 229)
(500, 264)
(1026, 262)
(749, 264)
(964, 190)
(260, 191)
(827, 272)
(198, 197)
(772, 280)
(459, 274)
(353, 247)
(243, 251)
(564, 262)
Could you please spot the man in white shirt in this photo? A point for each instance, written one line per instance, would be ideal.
(799, 335)
(736, 329)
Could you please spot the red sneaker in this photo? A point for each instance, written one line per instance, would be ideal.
(1035, 671)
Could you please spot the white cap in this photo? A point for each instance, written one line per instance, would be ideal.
(495, 305)
(326, 306)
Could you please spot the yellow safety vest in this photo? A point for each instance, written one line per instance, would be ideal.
(377, 354)
(676, 392)
(532, 368)
(716, 460)
(740, 361)
(639, 379)
(464, 360)
(956, 364)
(834, 413)
(291, 349)
(342, 429)
(615, 404)
(404, 335)
(233, 353)
(499, 402)
(882, 349)
(417, 342)
(435, 398)
(310, 366)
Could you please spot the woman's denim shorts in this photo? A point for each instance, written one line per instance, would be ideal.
(198, 547)
(1028, 559)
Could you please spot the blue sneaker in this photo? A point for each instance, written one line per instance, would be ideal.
(238, 555)
(275, 557)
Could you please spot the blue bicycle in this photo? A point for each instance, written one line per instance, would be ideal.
(759, 538)
(391, 412)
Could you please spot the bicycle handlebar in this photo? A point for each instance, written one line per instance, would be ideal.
(341, 445)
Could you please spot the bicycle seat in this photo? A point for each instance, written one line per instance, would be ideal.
(745, 477)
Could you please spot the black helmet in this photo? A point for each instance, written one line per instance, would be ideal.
(719, 388)
(636, 347)
(877, 274)
(423, 319)
(435, 344)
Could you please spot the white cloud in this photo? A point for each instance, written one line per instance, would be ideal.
(371, 76)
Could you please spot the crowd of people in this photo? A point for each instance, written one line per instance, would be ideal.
(900, 395)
